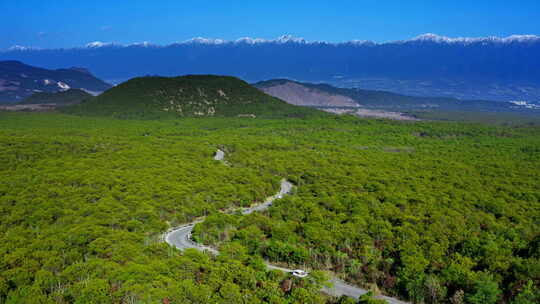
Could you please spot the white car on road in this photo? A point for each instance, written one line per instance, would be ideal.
(299, 273)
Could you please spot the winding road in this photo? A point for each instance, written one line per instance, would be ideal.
(180, 237)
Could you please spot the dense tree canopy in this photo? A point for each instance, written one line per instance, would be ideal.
(431, 212)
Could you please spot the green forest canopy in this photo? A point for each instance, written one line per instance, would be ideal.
(426, 211)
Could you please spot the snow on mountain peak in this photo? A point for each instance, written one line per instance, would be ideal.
(18, 48)
(290, 38)
(246, 40)
(361, 42)
(286, 39)
(97, 44)
(63, 86)
(141, 44)
(522, 38)
(202, 40)
(429, 37)
(249, 40)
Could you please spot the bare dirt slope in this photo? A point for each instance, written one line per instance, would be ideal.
(300, 95)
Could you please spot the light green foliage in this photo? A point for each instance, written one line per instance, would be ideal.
(345, 300)
(215, 229)
(422, 220)
(486, 290)
(435, 293)
(420, 210)
(84, 201)
(504, 117)
(369, 299)
(529, 294)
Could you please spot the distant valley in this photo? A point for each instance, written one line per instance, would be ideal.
(209, 95)
(381, 104)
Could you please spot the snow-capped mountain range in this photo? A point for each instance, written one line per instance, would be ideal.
(429, 37)
(464, 40)
(490, 68)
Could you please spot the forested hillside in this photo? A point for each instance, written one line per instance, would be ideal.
(430, 212)
(187, 96)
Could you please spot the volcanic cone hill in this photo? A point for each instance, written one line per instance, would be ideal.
(187, 96)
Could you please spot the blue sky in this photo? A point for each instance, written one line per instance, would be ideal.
(68, 23)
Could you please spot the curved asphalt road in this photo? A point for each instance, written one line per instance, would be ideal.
(180, 237)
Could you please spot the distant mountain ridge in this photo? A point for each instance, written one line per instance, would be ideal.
(19, 81)
(187, 96)
(428, 37)
(71, 96)
(490, 68)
